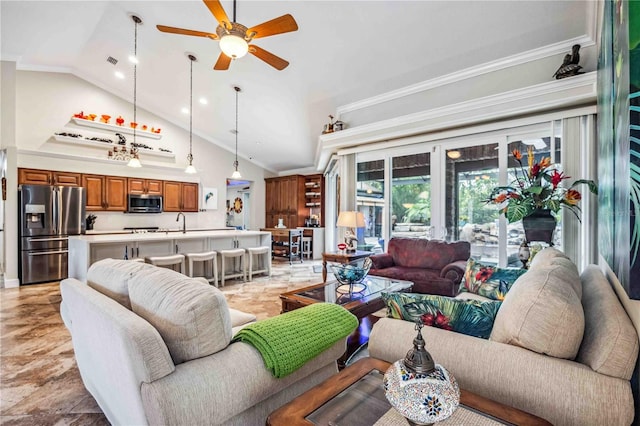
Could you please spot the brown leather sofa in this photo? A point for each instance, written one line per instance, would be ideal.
(434, 266)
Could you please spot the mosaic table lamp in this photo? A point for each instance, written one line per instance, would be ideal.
(420, 390)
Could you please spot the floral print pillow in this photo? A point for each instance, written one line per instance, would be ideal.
(488, 280)
(471, 317)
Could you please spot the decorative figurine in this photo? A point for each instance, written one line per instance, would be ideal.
(121, 139)
(570, 65)
(328, 128)
(105, 118)
(119, 120)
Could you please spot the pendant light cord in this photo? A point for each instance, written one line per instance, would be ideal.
(190, 158)
(135, 78)
(237, 89)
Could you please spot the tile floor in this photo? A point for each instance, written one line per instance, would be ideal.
(39, 381)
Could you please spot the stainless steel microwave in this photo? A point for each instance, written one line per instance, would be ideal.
(144, 203)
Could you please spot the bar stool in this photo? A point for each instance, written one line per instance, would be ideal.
(306, 247)
(235, 273)
(170, 261)
(252, 252)
(207, 257)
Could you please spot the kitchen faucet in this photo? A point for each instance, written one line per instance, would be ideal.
(184, 226)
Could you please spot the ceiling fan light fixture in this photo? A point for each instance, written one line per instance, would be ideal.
(234, 46)
(232, 41)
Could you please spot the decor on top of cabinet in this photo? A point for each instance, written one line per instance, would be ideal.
(122, 153)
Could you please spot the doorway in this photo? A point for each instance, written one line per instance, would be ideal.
(238, 204)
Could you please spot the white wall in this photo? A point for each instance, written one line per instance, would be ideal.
(45, 103)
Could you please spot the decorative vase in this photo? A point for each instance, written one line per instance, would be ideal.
(539, 226)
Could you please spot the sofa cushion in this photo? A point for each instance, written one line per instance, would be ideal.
(542, 313)
(551, 256)
(192, 317)
(610, 343)
(111, 278)
(489, 280)
(471, 317)
(429, 254)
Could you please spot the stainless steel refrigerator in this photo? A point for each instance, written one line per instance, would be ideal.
(48, 215)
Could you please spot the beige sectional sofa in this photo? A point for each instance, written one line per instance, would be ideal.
(153, 347)
(562, 347)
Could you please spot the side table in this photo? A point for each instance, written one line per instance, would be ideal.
(341, 257)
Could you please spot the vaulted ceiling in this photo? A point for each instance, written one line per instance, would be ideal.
(344, 51)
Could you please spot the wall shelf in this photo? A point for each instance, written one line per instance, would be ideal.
(114, 128)
(108, 146)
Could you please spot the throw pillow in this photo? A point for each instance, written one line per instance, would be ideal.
(471, 317)
(488, 280)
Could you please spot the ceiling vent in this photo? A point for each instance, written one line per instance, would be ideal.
(112, 60)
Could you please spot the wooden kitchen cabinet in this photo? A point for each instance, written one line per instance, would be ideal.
(144, 186)
(180, 196)
(287, 199)
(105, 193)
(48, 177)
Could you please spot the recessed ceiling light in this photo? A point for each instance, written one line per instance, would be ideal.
(185, 110)
(119, 74)
(203, 101)
(133, 59)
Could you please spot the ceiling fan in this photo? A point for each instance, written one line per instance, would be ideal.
(235, 38)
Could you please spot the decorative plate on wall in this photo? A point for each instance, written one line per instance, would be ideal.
(237, 205)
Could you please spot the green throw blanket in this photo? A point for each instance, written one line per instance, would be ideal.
(288, 341)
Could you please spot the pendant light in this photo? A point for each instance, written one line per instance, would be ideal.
(135, 161)
(190, 169)
(236, 174)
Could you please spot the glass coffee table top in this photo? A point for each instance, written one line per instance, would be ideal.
(369, 289)
(364, 403)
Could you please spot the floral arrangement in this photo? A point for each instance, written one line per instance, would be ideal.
(537, 187)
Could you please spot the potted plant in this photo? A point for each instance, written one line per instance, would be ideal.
(535, 194)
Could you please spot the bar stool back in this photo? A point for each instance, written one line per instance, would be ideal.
(254, 253)
(171, 261)
(232, 255)
(209, 258)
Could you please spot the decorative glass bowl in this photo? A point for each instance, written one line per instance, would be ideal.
(351, 273)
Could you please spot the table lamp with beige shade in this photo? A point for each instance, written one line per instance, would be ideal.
(351, 220)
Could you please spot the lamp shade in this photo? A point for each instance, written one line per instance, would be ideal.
(234, 46)
(351, 219)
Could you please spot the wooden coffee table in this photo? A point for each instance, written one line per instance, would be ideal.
(355, 396)
(341, 257)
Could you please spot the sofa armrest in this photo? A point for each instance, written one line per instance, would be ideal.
(561, 391)
(381, 261)
(220, 386)
(454, 271)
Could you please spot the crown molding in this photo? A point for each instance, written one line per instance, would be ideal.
(475, 71)
(552, 95)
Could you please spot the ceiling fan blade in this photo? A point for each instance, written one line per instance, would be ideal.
(223, 63)
(282, 24)
(218, 11)
(174, 30)
(273, 60)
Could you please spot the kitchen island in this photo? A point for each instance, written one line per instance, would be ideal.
(87, 249)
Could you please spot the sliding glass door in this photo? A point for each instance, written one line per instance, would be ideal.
(470, 175)
(439, 190)
(411, 196)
